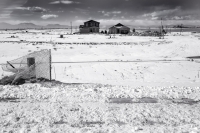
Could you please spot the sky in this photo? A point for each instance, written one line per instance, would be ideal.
(107, 12)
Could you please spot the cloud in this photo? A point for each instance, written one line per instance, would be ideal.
(7, 6)
(49, 16)
(110, 13)
(64, 2)
(4, 16)
(32, 9)
(163, 14)
(118, 10)
(187, 17)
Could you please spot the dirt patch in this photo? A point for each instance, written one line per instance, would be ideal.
(92, 123)
(185, 101)
(60, 123)
(14, 100)
(120, 100)
(130, 100)
(147, 100)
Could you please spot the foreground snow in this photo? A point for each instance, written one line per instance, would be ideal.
(54, 107)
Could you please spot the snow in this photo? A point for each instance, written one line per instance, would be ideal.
(152, 51)
(87, 108)
(118, 84)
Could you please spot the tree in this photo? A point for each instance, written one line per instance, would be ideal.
(164, 31)
(106, 32)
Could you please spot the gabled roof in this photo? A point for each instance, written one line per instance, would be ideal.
(91, 21)
(119, 24)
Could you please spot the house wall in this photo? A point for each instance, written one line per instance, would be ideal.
(113, 31)
(91, 24)
(90, 27)
(84, 30)
(89, 30)
(122, 30)
(125, 30)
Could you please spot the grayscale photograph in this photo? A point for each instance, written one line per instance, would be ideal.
(99, 66)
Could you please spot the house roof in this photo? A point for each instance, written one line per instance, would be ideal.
(91, 21)
(119, 24)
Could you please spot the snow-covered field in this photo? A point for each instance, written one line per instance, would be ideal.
(125, 50)
(89, 108)
(152, 87)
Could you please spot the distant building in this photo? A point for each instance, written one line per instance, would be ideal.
(119, 29)
(89, 27)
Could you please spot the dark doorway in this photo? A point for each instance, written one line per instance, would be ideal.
(117, 31)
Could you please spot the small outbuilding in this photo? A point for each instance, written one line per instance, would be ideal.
(89, 27)
(119, 29)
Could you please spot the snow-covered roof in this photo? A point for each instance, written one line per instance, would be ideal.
(119, 25)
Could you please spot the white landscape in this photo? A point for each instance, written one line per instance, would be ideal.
(122, 84)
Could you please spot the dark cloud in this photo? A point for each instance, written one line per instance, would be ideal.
(107, 10)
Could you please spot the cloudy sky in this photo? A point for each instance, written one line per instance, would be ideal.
(108, 12)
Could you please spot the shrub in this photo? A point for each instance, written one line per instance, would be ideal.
(7, 80)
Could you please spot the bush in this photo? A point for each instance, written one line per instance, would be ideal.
(10, 80)
(18, 80)
(7, 80)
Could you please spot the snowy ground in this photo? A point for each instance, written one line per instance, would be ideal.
(152, 86)
(91, 108)
(125, 50)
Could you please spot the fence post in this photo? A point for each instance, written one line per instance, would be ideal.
(50, 63)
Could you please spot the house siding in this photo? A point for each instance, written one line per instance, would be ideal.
(90, 27)
(119, 30)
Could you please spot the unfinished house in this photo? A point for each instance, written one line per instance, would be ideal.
(119, 29)
(89, 27)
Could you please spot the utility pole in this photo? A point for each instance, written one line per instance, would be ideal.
(161, 30)
(181, 28)
(162, 35)
(71, 27)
